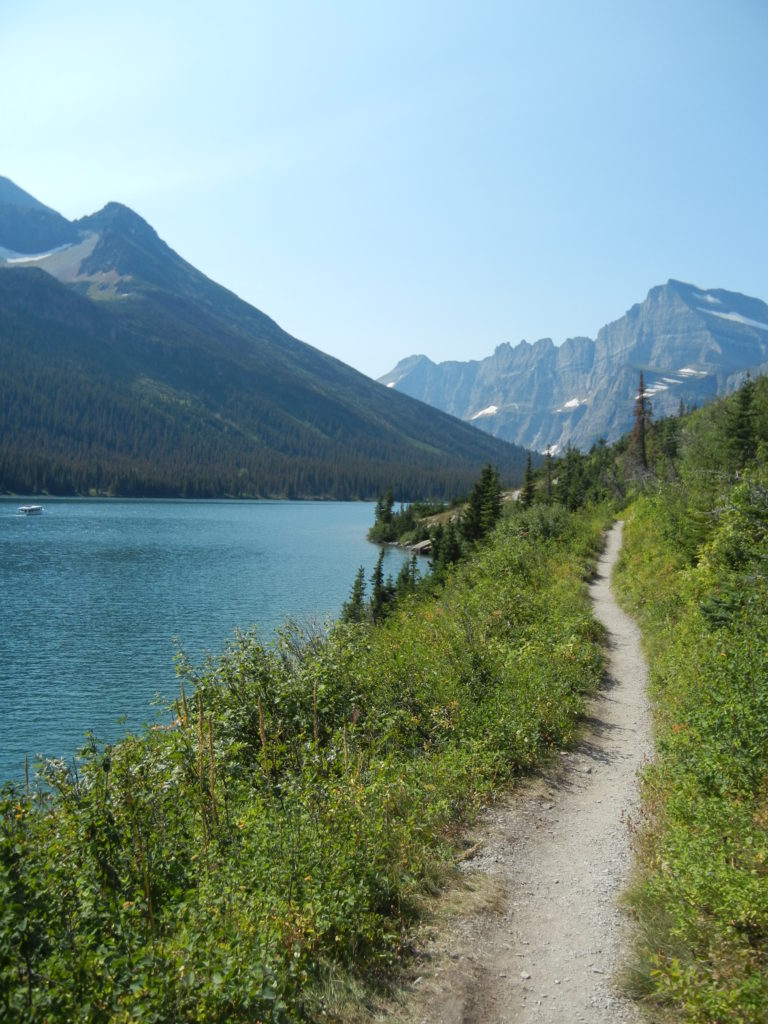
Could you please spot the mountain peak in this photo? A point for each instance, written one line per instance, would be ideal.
(197, 392)
(12, 195)
(692, 344)
(116, 216)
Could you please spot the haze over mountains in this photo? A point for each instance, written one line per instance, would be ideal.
(691, 344)
(124, 370)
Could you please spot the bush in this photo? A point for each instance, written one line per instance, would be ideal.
(702, 898)
(284, 827)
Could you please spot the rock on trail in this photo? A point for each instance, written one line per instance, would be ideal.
(547, 939)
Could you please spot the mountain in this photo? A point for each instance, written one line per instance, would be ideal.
(27, 226)
(691, 344)
(125, 370)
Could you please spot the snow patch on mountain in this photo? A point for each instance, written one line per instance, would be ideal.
(572, 403)
(737, 318)
(13, 258)
(63, 262)
(490, 410)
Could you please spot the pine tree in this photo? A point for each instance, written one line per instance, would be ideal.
(415, 574)
(483, 507)
(527, 491)
(548, 474)
(570, 479)
(451, 548)
(471, 520)
(642, 413)
(383, 511)
(407, 577)
(381, 593)
(436, 537)
(491, 507)
(353, 610)
(740, 424)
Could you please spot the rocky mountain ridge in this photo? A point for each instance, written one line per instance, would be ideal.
(691, 344)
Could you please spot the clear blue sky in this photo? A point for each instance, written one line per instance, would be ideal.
(391, 178)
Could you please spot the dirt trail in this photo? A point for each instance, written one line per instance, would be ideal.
(544, 936)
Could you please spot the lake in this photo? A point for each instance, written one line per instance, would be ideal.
(94, 591)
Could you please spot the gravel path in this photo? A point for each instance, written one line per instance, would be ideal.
(543, 936)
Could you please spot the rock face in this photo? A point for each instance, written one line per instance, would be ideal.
(690, 344)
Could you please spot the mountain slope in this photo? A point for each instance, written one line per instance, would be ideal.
(690, 344)
(125, 370)
(27, 226)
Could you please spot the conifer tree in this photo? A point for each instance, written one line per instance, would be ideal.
(527, 490)
(436, 538)
(642, 413)
(353, 610)
(407, 577)
(484, 505)
(548, 474)
(383, 511)
(414, 569)
(471, 520)
(381, 593)
(491, 505)
(570, 481)
(450, 551)
(740, 424)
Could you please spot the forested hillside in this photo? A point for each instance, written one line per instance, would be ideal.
(125, 371)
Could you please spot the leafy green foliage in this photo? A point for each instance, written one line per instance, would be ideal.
(695, 572)
(283, 827)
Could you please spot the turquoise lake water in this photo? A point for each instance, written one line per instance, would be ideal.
(93, 593)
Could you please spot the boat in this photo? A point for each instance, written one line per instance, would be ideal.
(29, 510)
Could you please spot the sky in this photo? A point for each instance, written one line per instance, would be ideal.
(385, 179)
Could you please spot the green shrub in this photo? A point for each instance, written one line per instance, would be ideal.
(287, 824)
(702, 897)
